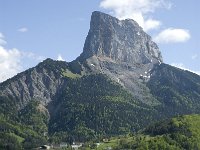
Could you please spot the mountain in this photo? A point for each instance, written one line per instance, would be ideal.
(118, 85)
(120, 41)
(122, 50)
(172, 134)
(178, 91)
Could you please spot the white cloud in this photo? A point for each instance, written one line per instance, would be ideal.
(32, 56)
(11, 60)
(2, 41)
(182, 66)
(172, 35)
(1, 35)
(10, 63)
(60, 58)
(137, 10)
(24, 29)
(195, 56)
(151, 24)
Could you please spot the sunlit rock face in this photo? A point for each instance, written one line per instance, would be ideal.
(122, 50)
(119, 40)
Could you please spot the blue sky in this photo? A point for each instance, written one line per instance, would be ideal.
(32, 30)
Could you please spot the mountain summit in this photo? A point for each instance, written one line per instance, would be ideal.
(118, 85)
(119, 40)
(121, 50)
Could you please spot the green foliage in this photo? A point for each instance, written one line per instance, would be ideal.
(183, 130)
(9, 141)
(94, 105)
(90, 107)
(34, 141)
(25, 131)
(17, 136)
(176, 90)
(173, 134)
(35, 117)
(69, 74)
(58, 137)
(8, 108)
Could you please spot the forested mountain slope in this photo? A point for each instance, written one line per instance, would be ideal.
(178, 91)
(173, 134)
(118, 85)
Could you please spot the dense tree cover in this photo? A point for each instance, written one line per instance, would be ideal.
(17, 136)
(183, 130)
(8, 108)
(176, 90)
(36, 116)
(178, 133)
(94, 106)
(25, 131)
(88, 108)
(91, 107)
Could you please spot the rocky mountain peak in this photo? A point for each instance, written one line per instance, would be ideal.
(119, 40)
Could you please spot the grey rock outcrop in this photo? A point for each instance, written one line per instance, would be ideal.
(117, 48)
(123, 51)
(119, 40)
(41, 83)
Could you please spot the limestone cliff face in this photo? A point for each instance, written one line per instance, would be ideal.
(123, 51)
(74, 97)
(41, 83)
(117, 48)
(119, 40)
